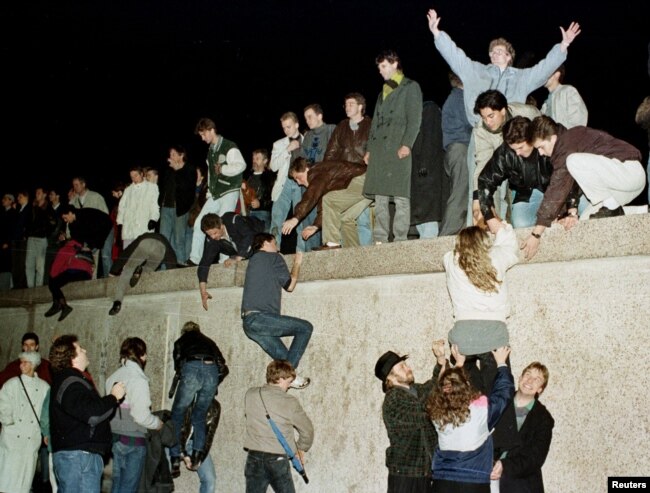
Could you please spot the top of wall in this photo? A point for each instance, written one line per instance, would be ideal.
(614, 237)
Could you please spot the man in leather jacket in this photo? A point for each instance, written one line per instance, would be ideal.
(519, 163)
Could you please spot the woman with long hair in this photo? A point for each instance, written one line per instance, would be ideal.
(476, 271)
(464, 419)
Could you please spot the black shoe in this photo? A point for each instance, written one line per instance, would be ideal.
(189, 263)
(54, 309)
(604, 212)
(198, 457)
(136, 276)
(176, 467)
(117, 306)
(65, 311)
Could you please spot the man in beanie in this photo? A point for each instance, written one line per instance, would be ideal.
(410, 432)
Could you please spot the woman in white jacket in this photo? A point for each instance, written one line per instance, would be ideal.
(138, 210)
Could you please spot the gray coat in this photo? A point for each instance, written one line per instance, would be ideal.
(396, 122)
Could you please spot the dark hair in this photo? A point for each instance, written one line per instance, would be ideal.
(263, 152)
(490, 99)
(454, 80)
(517, 130)
(65, 209)
(543, 127)
(29, 335)
(63, 351)
(390, 56)
(179, 149)
(315, 107)
(133, 349)
(205, 124)
(190, 326)
(279, 368)
(210, 221)
(259, 239)
(298, 165)
(358, 97)
(562, 70)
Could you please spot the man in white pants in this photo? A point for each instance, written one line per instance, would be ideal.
(606, 169)
(225, 168)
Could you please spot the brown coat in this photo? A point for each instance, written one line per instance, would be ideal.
(348, 145)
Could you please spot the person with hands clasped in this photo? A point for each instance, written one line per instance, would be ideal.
(464, 419)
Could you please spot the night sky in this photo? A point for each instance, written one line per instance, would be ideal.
(93, 88)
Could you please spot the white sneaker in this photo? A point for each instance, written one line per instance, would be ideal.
(300, 383)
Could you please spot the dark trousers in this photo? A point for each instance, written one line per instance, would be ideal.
(482, 378)
(56, 283)
(405, 484)
(264, 469)
(18, 258)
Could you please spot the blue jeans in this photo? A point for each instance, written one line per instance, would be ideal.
(107, 253)
(175, 229)
(264, 469)
(198, 380)
(266, 329)
(206, 472)
(290, 196)
(264, 216)
(128, 462)
(219, 206)
(78, 470)
(364, 227)
(427, 230)
(524, 214)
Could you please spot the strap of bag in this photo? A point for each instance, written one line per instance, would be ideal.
(20, 377)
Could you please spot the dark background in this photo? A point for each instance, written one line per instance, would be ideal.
(93, 88)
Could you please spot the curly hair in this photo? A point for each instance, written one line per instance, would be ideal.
(450, 406)
(473, 250)
(62, 352)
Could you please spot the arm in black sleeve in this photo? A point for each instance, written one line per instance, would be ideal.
(492, 176)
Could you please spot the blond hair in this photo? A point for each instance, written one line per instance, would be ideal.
(473, 251)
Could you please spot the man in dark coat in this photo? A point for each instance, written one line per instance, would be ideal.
(523, 449)
(429, 184)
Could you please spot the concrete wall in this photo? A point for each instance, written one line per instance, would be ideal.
(582, 307)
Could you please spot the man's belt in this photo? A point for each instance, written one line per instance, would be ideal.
(131, 441)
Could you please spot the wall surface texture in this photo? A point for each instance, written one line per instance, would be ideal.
(581, 307)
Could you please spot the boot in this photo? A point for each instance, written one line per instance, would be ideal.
(198, 456)
(54, 309)
(176, 467)
(117, 306)
(65, 310)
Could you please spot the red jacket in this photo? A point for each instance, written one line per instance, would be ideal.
(67, 259)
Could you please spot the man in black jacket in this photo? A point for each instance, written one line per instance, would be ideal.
(230, 235)
(520, 466)
(517, 162)
(196, 359)
(79, 418)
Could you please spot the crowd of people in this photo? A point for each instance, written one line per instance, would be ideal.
(485, 163)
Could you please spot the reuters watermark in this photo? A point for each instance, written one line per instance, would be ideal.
(617, 484)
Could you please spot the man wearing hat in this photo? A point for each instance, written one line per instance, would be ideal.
(411, 434)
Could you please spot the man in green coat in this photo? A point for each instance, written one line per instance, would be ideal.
(395, 126)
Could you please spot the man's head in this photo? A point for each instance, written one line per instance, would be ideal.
(264, 242)
(501, 52)
(290, 124)
(556, 78)
(29, 361)
(177, 156)
(134, 349)
(67, 353)
(392, 370)
(79, 185)
(151, 174)
(313, 115)
(207, 130)
(492, 106)
(30, 342)
(260, 160)
(388, 63)
(22, 197)
(281, 373)
(40, 195)
(517, 135)
(212, 226)
(544, 135)
(8, 200)
(190, 327)
(299, 171)
(533, 380)
(137, 174)
(68, 213)
(355, 106)
(54, 196)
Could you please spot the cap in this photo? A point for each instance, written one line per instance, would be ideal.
(385, 364)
